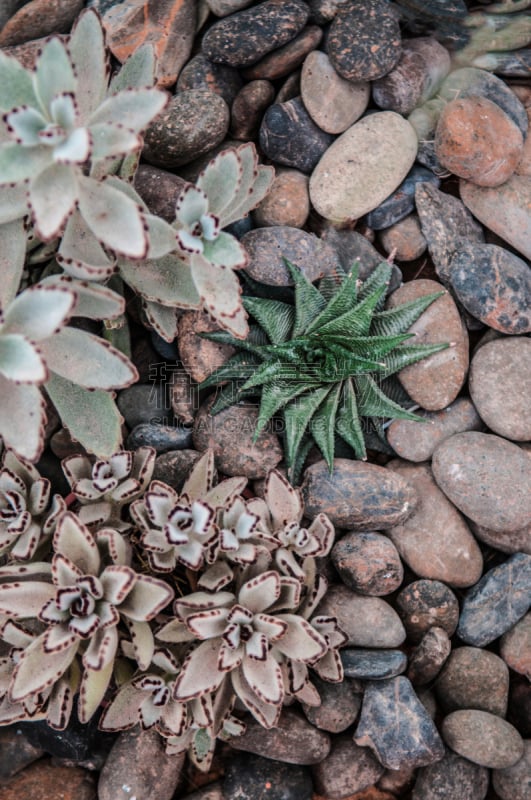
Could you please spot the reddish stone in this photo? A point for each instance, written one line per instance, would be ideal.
(40, 18)
(248, 108)
(287, 203)
(43, 781)
(200, 357)
(405, 239)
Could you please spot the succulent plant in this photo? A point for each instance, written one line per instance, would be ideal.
(323, 361)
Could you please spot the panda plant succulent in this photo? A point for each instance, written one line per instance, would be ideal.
(323, 362)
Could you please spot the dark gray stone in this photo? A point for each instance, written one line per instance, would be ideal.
(427, 659)
(144, 404)
(248, 777)
(346, 769)
(168, 350)
(425, 604)
(352, 246)
(268, 247)
(293, 741)
(161, 437)
(340, 705)
(289, 136)
(373, 664)
(174, 467)
(402, 202)
(201, 73)
(452, 778)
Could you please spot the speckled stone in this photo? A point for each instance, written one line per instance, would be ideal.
(222, 8)
(497, 601)
(364, 40)
(46, 781)
(357, 495)
(9, 7)
(367, 621)
(416, 441)
(500, 386)
(363, 166)
(268, 247)
(17, 752)
(427, 658)
(333, 102)
(524, 166)
(402, 201)
(483, 738)
(396, 726)
(340, 705)
(161, 437)
(39, 18)
(159, 189)
(200, 357)
(248, 108)
(435, 381)
(452, 778)
(174, 467)
(230, 434)
(487, 478)
(439, 10)
(346, 770)
(285, 59)
(514, 783)
(373, 664)
(287, 203)
(506, 542)
(426, 604)
(404, 239)
(243, 38)
(294, 740)
(201, 73)
(368, 563)
(289, 136)
(515, 647)
(494, 286)
(192, 124)
(505, 209)
(248, 776)
(473, 678)
(435, 541)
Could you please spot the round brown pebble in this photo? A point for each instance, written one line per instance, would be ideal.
(514, 783)
(287, 203)
(268, 247)
(426, 660)
(506, 542)
(340, 705)
(404, 238)
(248, 107)
(515, 647)
(368, 563)
(500, 386)
(44, 781)
(39, 18)
(293, 740)
(200, 357)
(483, 738)
(159, 189)
(476, 140)
(367, 621)
(347, 769)
(474, 678)
(332, 102)
(425, 604)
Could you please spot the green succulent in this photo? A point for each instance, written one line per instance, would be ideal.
(324, 361)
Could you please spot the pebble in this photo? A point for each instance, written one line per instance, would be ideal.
(9, 7)
(357, 495)
(402, 201)
(168, 350)
(476, 140)
(332, 102)
(17, 752)
(144, 403)
(396, 726)
(505, 209)
(78, 744)
(200, 357)
(368, 563)
(363, 166)
(435, 541)
(515, 647)
(248, 108)
(213, 791)
(425, 604)
(352, 246)
(159, 190)
(174, 467)
(473, 678)
(367, 621)
(496, 602)
(422, 66)
(508, 542)
(405, 239)
(268, 247)
(340, 705)
(290, 89)
(524, 166)
(230, 435)
(346, 770)
(39, 18)
(222, 8)
(416, 442)
(494, 286)
(294, 740)
(427, 658)
(289, 136)
(287, 203)
(500, 385)
(243, 38)
(44, 781)
(435, 381)
(285, 59)
(483, 738)
(373, 664)
(451, 778)
(248, 777)
(161, 437)
(364, 40)
(487, 478)
(193, 122)
(201, 73)
(514, 783)
(397, 781)
(445, 223)
(170, 31)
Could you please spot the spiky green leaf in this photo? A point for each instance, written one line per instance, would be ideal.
(410, 354)
(343, 300)
(323, 424)
(297, 417)
(308, 300)
(348, 423)
(398, 320)
(275, 317)
(372, 402)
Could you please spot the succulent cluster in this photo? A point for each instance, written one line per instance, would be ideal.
(86, 600)
(323, 362)
(73, 230)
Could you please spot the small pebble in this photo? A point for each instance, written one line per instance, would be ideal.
(161, 437)
(249, 776)
(473, 678)
(514, 783)
(352, 247)
(524, 166)
(515, 647)
(396, 726)
(159, 190)
(174, 467)
(500, 386)
(17, 752)
(45, 781)
(373, 664)
(294, 740)
(290, 89)
(340, 705)
(487, 478)
(368, 563)
(347, 769)
(268, 247)
(402, 201)
(285, 59)
(451, 778)
(289, 136)
(427, 658)
(248, 108)
(426, 604)
(39, 18)
(405, 239)
(483, 738)
(200, 73)
(367, 621)
(222, 8)
(144, 403)
(200, 357)
(287, 203)
(333, 103)
(506, 542)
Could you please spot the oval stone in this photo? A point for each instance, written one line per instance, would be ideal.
(287, 202)
(483, 738)
(284, 60)
(363, 166)
(514, 783)
(515, 647)
(200, 73)
(367, 621)
(474, 678)
(347, 769)
(435, 381)
(357, 495)
(293, 740)
(428, 657)
(268, 247)
(368, 563)
(200, 357)
(289, 136)
(332, 102)
(506, 542)
(487, 478)
(248, 108)
(405, 239)
(452, 778)
(402, 201)
(426, 604)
